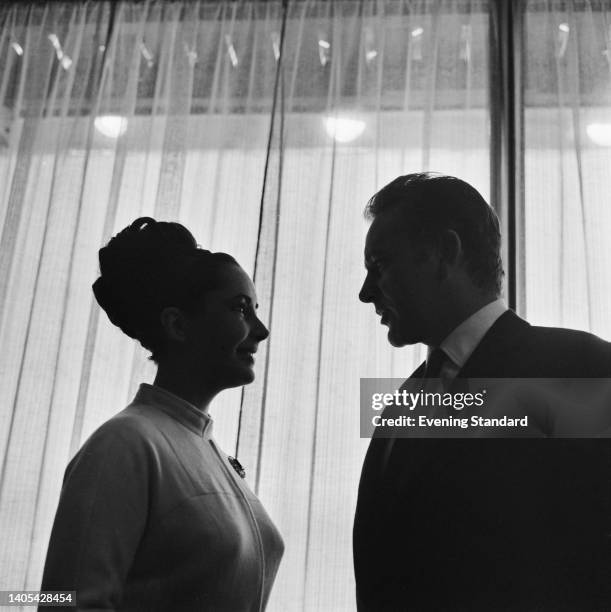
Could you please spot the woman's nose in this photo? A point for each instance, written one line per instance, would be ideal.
(260, 332)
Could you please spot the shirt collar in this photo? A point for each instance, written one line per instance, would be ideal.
(461, 342)
(179, 409)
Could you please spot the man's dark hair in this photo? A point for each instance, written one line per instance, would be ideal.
(432, 203)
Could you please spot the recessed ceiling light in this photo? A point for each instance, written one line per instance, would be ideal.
(344, 129)
(600, 133)
(111, 126)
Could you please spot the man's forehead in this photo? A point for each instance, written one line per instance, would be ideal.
(385, 233)
(374, 250)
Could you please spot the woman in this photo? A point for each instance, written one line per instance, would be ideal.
(152, 514)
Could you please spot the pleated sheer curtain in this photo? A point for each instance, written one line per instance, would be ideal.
(264, 129)
(565, 225)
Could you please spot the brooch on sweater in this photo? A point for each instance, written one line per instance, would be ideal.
(237, 466)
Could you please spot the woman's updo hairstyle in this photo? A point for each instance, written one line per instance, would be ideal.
(149, 266)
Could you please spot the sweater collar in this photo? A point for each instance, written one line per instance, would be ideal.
(179, 409)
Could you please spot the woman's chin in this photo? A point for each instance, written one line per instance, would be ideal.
(249, 376)
(243, 375)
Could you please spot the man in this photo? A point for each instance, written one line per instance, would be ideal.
(474, 524)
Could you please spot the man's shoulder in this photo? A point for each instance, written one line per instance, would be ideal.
(560, 351)
(579, 352)
(550, 339)
(514, 348)
(565, 334)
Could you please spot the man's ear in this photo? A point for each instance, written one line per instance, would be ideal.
(450, 251)
(174, 323)
(450, 247)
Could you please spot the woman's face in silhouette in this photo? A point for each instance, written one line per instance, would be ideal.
(222, 336)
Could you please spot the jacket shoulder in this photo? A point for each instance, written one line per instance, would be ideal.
(569, 352)
(514, 348)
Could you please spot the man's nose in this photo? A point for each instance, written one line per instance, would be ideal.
(367, 291)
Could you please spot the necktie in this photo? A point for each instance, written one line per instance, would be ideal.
(434, 363)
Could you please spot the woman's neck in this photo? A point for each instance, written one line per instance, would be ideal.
(185, 385)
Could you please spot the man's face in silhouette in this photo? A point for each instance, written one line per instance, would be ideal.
(402, 281)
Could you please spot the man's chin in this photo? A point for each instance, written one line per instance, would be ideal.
(398, 340)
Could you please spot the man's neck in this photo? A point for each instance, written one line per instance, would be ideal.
(460, 311)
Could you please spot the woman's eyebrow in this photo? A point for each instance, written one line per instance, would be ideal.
(246, 297)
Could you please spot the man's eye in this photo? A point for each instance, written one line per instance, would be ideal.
(243, 308)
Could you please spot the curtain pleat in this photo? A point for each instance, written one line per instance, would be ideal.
(568, 91)
(577, 149)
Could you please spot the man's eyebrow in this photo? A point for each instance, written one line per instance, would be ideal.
(246, 297)
(371, 255)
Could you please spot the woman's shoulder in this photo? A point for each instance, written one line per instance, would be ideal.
(132, 422)
(134, 430)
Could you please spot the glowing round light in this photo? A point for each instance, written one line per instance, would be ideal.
(564, 27)
(344, 129)
(111, 126)
(600, 133)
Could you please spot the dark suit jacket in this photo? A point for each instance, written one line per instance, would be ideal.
(492, 524)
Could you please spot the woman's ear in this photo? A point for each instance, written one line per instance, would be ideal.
(174, 323)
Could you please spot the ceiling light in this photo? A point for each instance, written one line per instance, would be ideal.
(276, 44)
(600, 133)
(344, 129)
(233, 56)
(147, 55)
(63, 58)
(56, 45)
(564, 27)
(111, 126)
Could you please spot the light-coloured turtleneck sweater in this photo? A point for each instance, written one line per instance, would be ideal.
(152, 516)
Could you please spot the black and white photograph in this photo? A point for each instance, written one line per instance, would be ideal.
(305, 305)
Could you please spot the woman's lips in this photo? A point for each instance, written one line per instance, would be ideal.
(247, 356)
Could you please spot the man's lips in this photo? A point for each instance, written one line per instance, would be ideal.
(383, 313)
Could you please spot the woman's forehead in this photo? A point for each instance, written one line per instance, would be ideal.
(233, 280)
